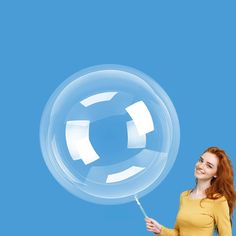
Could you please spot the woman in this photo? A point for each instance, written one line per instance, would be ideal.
(209, 205)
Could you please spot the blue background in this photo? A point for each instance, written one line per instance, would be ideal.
(188, 47)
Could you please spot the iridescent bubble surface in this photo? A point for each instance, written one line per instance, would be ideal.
(109, 133)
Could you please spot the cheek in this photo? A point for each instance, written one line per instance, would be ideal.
(215, 172)
(211, 171)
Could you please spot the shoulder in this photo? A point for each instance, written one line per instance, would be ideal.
(219, 198)
(221, 201)
(185, 193)
(220, 206)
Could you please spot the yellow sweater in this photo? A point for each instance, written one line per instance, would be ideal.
(194, 220)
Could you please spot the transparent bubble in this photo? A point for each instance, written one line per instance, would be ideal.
(109, 133)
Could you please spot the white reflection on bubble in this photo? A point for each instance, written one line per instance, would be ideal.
(101, 97)
(125, 174)
(141, 117)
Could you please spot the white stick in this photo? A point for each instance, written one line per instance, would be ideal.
(140, 206)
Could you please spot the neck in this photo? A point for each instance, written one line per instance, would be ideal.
(201, 186)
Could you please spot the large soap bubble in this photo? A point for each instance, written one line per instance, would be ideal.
(109, 133)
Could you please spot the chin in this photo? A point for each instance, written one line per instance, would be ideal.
(199, 176)
(202, 177)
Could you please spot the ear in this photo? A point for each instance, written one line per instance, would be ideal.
(215, 176)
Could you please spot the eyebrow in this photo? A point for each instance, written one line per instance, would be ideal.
(207, 161)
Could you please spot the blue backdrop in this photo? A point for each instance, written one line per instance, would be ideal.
(188, 47)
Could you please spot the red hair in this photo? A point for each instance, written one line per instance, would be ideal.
(223, 184)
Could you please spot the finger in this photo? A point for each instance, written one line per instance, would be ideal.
(153, 230)
(153, 221)
(147, 219)
(150, 224)
(153, 226)
(150, 229)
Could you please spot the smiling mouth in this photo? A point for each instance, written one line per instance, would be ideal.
(200, 171)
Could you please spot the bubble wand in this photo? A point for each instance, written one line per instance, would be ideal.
(140, 206)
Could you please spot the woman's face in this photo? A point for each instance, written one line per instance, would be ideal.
(206, 167)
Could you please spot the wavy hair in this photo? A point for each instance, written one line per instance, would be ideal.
(223, 184)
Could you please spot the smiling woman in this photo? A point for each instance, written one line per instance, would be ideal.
(210, 205)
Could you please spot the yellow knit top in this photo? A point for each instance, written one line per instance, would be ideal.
(194, 219)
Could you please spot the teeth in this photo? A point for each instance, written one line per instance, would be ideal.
(202, 172)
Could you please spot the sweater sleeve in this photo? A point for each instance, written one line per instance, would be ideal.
(171, 232)
(222, 218)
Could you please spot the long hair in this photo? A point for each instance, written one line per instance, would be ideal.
(223, 184)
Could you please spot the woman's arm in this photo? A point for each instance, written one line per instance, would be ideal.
(158, 229)
(169, 232)
(222, 218)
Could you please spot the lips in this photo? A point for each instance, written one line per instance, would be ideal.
(200, 171)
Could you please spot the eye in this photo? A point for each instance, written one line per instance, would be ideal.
(200, 159)
(209, 166)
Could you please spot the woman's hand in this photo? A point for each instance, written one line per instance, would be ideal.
(153, 225)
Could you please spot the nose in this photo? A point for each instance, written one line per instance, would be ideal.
(201, 165)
